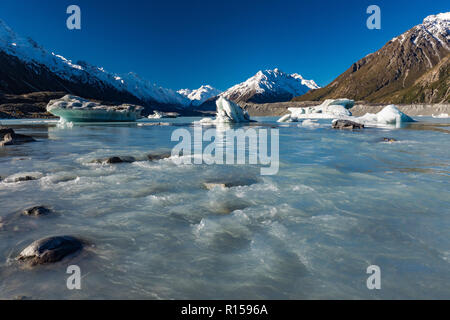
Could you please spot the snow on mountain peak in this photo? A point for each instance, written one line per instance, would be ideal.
(271, 82)
(31, 53)
(200, 95)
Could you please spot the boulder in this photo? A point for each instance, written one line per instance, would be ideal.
(37, 211)
(115, 160)
(346, 125)
(24, 178)
(158, 156)
(9, 137)
(50, 250)
(239, 182)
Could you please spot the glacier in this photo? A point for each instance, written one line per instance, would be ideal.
(75, 109)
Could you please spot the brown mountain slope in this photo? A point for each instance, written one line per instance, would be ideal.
(395, 68)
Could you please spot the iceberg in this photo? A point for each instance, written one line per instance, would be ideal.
(228, 112)
(390, 115)
(441, 116)
(329, 109)
(160, 115)
(75, 109)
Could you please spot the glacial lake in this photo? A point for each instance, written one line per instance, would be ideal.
(341, 202)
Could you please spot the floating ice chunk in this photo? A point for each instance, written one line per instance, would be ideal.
(441, 116)
(227, 112)
(329, 109)
(310, 123)
(159, 115)
(390, 115)
(76, 109)
(346, 103)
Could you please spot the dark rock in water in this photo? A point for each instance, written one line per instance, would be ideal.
(37, 211)
(24, 178)
(9, 137)
(346, 125)
(115, 160)
(49, 250)
(158, 156)
(229, 183)
(389, 140)
(127, 159)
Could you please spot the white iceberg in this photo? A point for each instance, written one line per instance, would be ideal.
(390, 115)
(441, 116)
(75, 109)
(329, 109)
(160, 115)
(228, 112)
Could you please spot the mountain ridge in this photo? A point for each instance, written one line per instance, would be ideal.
(382, 75)
(25, 66)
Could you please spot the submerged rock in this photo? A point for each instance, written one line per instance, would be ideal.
(229, 183)
(158, 156)
(37, 211)
(50, 250)
(346, 125)
(21, 177)
(115, 160)
(9, 137)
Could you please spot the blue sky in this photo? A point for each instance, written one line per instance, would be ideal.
(184, 44)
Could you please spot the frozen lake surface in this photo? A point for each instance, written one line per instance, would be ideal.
(342, 201)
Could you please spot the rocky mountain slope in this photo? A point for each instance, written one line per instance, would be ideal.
(27, 67)
(411, 68)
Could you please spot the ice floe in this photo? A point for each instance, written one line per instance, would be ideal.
(76, 109)
(329, 109)
(441, 116)
(390, 115)
(160, 115)
(339, 110)
(228, 112)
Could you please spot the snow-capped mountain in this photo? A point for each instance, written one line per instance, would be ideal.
(200, 95)
(41, 70)
(411, 68)
(270, 86)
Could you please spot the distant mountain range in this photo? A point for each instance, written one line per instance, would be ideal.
(411, 68)
(27, 67)
(270, 86)
(200, 95)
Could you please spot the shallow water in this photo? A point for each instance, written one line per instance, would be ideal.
(342, 201)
